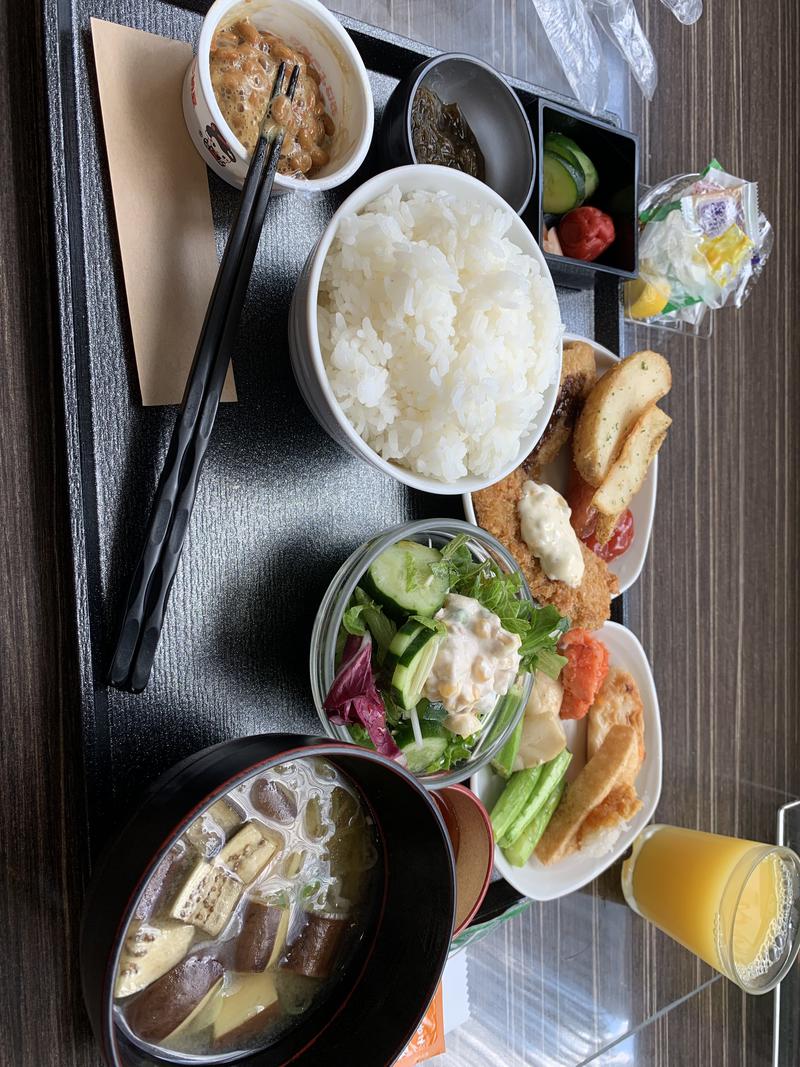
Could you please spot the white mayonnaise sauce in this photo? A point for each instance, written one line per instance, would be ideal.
(544, 520)
(476, 663)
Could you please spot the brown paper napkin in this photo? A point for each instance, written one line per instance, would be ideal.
(161, 201)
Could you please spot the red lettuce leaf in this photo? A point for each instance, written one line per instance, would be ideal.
(353, 698)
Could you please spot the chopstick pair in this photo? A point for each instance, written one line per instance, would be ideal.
(171, 510)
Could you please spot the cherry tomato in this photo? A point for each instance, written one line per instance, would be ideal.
(585, 233)
(579, 498)
(584, 520)
(619, 542)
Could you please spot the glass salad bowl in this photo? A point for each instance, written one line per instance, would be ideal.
(377, 618)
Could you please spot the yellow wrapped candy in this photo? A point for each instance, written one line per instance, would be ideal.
(726, 254)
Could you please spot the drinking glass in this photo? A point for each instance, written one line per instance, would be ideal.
(734, 903)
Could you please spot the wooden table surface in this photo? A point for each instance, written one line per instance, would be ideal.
(716, 607)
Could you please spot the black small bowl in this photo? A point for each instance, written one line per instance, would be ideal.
(492, 110)
(615, 153)
(391, 979)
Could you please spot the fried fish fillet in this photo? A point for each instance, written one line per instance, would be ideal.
(602, 774)
(617, 701)
(589, 604)
(578, 376)
(600, 829)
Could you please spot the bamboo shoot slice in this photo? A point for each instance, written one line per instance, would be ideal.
(245, 1011)
(203, 1015)
(169, 1002)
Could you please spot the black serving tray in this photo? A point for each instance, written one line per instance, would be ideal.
(279, 505)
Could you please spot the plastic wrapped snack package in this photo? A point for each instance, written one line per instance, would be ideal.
(571, 27)
(619, 20)
(702, 245)
(428, 1041)
(685, 11)
(574, 40)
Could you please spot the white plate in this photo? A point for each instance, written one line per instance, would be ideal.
(547, 883)
(628, 566)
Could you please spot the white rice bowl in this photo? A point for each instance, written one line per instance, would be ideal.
(438, 334)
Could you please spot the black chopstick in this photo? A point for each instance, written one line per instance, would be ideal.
(171, 510)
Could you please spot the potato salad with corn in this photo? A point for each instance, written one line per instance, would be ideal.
(432, 651)
(476, 662)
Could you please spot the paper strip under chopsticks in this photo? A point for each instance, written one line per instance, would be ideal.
(161, 201)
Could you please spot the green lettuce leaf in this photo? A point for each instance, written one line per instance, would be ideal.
(364, 614)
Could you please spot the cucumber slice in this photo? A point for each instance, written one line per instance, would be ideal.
(420, 757)
(559, 145)
(590, 174)
(406, 643)
(404, 564)
(410, 658)
(564, 146)
(563, 185)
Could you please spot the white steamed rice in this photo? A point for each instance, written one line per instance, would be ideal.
(438, 334)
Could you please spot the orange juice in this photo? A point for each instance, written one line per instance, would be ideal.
(731, 902)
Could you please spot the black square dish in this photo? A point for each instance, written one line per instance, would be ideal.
(616, 156)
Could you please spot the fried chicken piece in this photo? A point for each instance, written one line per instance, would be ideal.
(578, 376)
(617, 701)
(588, 605)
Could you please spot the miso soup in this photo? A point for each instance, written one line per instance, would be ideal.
(251, 919)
